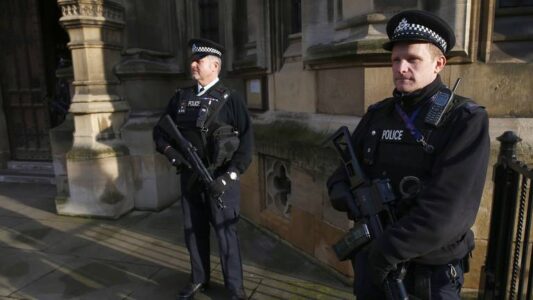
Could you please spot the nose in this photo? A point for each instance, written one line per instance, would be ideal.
(194, 64)
(403, 67)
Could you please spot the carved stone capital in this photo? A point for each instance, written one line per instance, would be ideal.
(98, 10)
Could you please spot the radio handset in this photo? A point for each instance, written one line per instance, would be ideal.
(441, 105)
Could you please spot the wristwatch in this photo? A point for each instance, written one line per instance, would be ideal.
(233, 175)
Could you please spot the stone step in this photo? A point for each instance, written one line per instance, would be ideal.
(22, 177)
(36, 167)
(28, 172)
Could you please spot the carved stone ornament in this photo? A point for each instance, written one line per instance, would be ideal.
(92, 9)
(278, 187)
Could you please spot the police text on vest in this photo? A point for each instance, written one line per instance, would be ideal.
(392, 135)
(194, 103)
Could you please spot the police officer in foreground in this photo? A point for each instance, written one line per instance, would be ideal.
(216, 121)
(436, 169)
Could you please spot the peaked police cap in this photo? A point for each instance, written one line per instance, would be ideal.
(421, 26)
(203, 47)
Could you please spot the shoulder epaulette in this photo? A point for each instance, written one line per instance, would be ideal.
(468, 104)
(379, 104)
(219, 92)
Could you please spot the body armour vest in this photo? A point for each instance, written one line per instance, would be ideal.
(195, 116)
(389, 150)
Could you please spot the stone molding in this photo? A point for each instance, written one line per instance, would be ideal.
(327, 123)
(278, 185)
(92, 8)
(144, 62)
(99, 107)
(275, 130)
(363, 20)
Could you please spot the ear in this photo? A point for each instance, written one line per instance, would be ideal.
(215, 64)
(440, 63)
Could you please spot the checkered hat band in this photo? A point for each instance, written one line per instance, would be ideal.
(206, 50)
(417, 30)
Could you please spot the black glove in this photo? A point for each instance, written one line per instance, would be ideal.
(175, 157)
(222, 182)
(378, 265)
(339, 195)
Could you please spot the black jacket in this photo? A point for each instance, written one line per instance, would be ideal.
(434, 226)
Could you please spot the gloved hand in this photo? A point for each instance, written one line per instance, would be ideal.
(378, 265)
(222, 182)
(339, 195)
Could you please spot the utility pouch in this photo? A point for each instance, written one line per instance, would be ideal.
(225, 143)
(352, 241)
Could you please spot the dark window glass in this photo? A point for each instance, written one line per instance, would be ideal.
(515, 3)
(296, 16)
(209, 19)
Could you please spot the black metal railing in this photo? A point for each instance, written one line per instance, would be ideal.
(508, 269)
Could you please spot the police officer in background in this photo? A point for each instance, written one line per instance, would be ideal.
(216, 121)
(437, 171)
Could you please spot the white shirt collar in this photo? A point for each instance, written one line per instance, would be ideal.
(212, 83)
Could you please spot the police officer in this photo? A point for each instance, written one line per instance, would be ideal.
(216, 121)
(437, 169)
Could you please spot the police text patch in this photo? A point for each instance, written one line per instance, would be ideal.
(392, 135)
(193, 103)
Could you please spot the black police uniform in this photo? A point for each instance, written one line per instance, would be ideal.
(188, 110)
(439, 185)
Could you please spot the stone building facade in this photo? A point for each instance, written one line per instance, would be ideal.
(305, 67)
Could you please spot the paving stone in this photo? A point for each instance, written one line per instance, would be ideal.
(140, 256)
(89, 279)
(20, 268)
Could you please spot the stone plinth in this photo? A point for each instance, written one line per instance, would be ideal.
(156, 184)
(100, 182)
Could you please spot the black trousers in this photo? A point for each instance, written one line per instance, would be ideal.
(421, 281)
(198, 213)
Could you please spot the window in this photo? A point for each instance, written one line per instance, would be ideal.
(501, 41)
(209, 19)
(296, 16)
(515, 3)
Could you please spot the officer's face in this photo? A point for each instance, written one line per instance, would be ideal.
(414, 65)
(204, 70)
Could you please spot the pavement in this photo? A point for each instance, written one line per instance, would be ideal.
(139, 256)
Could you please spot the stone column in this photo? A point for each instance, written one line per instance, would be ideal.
(148, 71)
(98, 164)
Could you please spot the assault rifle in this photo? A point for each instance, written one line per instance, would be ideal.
(371, 205)
(189, 152)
